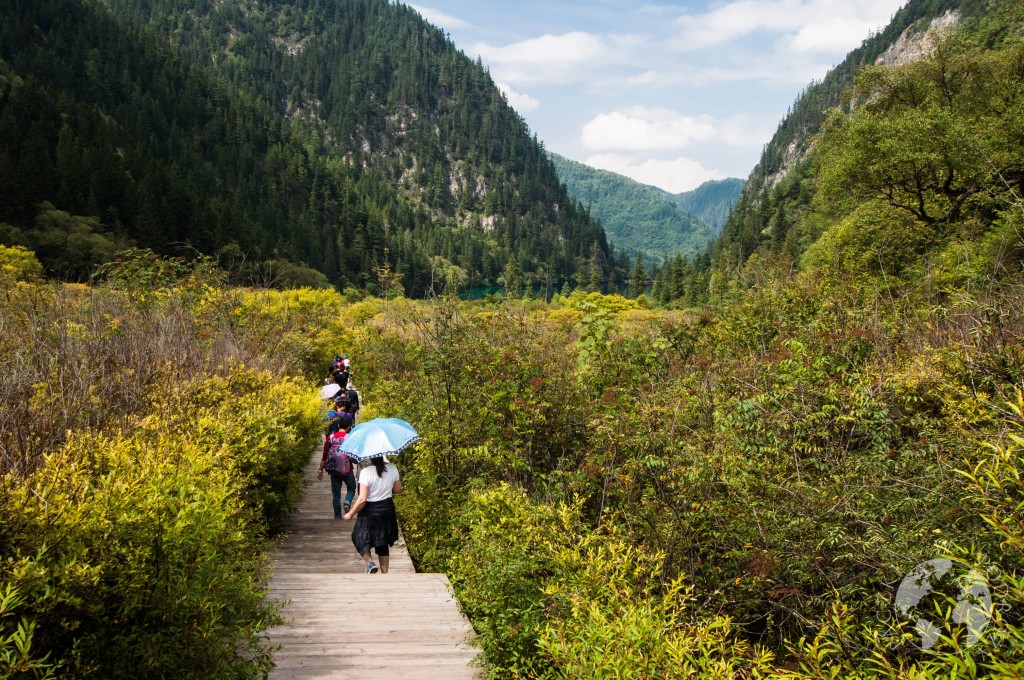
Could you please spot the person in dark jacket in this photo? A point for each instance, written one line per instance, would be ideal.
(353, 402)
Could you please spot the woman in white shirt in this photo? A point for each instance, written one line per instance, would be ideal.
(377, 523)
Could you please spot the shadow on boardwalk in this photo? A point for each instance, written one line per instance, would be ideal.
(342, 623)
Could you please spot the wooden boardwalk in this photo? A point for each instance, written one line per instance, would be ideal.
(342, 623)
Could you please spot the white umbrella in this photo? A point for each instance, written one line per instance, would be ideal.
(328, 391)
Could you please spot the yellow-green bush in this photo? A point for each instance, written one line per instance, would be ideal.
(890, 646)
(550, 599)
(269, 425)
(142, 466)
(612, 303)
(298, 329)
(141, 554)
(617, 620)
(793, 449)
(18, 263)
(876, 239)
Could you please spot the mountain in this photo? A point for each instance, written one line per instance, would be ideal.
(774, 213)
(639, 217)
(712, 201)
(285, 138)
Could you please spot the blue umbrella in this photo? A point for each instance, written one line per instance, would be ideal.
(379, 437)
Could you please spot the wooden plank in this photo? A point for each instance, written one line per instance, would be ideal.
(342, 623)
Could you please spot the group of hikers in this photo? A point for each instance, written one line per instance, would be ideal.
(376, 479)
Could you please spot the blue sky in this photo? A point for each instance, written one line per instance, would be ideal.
(670, 94)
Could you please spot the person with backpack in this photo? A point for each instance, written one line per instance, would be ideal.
(339, 371)
(344, 417)
(338, 465)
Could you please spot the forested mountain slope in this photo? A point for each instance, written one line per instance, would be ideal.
(338, 136)
(712, 201)
(638, 217)
(778, 192)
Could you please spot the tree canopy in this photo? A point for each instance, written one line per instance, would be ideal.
(315, 133)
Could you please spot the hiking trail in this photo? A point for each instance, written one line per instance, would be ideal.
(341, 623)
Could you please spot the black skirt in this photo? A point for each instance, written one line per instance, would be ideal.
(376, 525)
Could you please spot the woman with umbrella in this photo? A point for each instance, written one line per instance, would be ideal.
(377, 523)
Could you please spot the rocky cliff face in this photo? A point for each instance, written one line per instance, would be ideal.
(915, 44)
(795, 153)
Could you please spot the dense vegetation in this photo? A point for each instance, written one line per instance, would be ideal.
(153, 433)
(641, 494)
(711, 202)
(303, 143)
(611, 489)
(733, 489)
(775, 212)
(642, 218)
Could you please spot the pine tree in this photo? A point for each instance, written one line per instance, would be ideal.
(594, 269)
(638, 277)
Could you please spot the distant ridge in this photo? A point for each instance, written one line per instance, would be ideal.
(712, 201)
(641, 217)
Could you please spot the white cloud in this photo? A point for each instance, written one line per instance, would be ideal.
(520, 102)
(772, 70)
(675, 175)
(646, 129)
(439, 18)
(643, 143)
(747, 131)
(658, 129)
(645, 78)
(552, 58)
(830, 35)
(832, 25)
(730, 22)
(631, 84)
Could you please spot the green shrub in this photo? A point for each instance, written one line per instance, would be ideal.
(136, 557)
(267, 425)
(143, 466)
(617, 620)
(18, 263)
(794, 449)
(875, 239)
